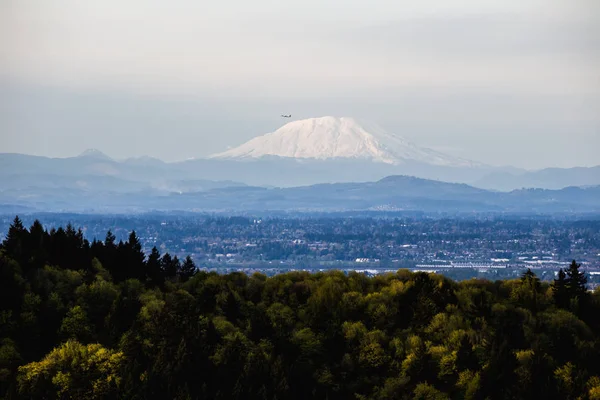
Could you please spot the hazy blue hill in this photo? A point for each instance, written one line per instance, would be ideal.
(95, 181)
(575, 198)
(426, 186)
(144, 161)
(391, 193)
(286, 172)
(11, 163)
(289, 172)
(549, 178)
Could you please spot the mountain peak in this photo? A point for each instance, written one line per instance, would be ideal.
(334, 138)
(94, 153)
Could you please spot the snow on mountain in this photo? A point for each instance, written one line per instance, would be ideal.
(331, 137)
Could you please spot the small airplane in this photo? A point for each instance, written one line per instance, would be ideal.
(286, 116)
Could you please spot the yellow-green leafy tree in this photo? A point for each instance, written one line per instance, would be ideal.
(73, 371)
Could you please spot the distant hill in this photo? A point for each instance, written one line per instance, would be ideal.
(549, 178)
(93, 172)
(394, 193)
(95, 154)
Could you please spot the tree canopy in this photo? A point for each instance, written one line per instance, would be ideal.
(102, 320)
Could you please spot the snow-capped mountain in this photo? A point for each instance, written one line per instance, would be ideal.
(345, 138)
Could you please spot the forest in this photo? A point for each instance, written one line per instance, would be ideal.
(103, 320)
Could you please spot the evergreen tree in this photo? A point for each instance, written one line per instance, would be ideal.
(36, 245)
(97, 249)
(175, 267)
(576, 281)
(110, 240)
(13, 243)
(134, 258)
(37, 232)
(169, 266)
(560, 292)
(187, 269)
(70, 230)
(530, 278)
(135, 247)
(153, 267)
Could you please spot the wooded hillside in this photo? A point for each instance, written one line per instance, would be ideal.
(102, 320)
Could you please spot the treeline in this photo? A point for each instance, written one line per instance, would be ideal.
(100, 320)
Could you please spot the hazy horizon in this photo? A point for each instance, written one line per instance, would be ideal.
(504, 83)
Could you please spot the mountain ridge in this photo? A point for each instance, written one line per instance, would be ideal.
(399, 193)
(29, 172)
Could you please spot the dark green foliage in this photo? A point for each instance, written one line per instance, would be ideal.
(154, 268)
(576, 281)
(187, 269)
(100, 320)
(569, 289)
(560, 290)
(14, 242)
(169, 266)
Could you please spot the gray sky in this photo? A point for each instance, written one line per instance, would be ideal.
(504, 82)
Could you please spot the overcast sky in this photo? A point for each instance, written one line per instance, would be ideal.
(508, 82)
